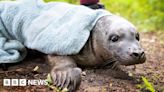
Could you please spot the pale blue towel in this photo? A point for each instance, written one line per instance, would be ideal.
(51, 28)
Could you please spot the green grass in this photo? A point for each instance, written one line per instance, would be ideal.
(54, 88)
(146, 86)
(147, 15)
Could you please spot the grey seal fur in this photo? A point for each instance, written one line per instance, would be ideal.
(113, 40)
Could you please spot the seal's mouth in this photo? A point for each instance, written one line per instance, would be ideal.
(114, 63)
(141, 59)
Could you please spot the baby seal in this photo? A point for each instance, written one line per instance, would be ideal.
(113, 40)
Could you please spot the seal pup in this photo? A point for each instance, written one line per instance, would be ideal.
(113, 42)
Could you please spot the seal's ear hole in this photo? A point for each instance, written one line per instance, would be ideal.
(114, 38)
(138, 36)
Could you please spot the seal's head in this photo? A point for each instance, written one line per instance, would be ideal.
(118, 40)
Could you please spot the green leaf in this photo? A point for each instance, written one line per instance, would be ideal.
(49, 80)
(54, 88)
(148, 85)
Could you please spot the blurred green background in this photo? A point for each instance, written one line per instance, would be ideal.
(147, 15)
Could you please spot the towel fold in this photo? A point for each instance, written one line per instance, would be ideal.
(51, 28)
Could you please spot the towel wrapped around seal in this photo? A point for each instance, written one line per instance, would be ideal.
(51, 28)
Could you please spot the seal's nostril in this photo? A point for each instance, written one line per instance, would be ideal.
(142, 53)
(136, 54)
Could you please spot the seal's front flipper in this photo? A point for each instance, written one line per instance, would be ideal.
(65, 73)
(69, 78)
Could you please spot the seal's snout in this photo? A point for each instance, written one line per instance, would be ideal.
(138, 55)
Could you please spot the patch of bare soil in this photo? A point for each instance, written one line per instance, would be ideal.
(97, 80)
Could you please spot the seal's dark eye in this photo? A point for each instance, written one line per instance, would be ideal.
(137, 36)
(114, 38)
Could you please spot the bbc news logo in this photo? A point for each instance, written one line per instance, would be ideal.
(23, 82)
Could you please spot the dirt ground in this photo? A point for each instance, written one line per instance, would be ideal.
(98, 80)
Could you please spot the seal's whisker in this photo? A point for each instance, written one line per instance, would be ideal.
(109, 62)
(114, 66)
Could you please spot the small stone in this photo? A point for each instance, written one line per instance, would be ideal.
(91, 80)
(130, 74)
(19, 70)
(36, 68)
(110, 85)
(83, 73)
